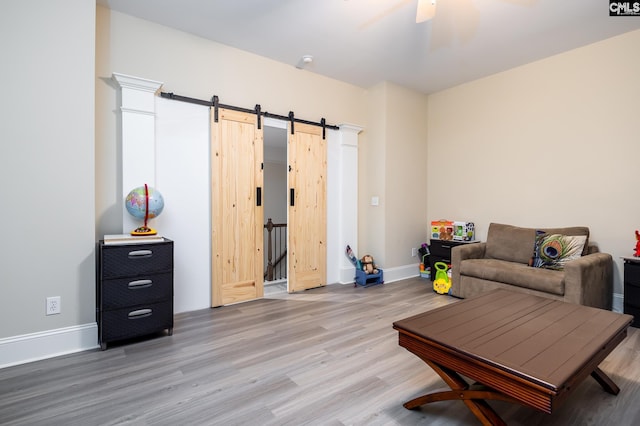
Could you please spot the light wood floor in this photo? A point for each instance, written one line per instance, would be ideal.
(326, 356)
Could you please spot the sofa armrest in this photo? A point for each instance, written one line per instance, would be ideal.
(589, 280)
(458, 254)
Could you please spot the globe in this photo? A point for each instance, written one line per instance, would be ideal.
(144, 203)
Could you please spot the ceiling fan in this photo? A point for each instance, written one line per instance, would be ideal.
(426, 10)
(456, 22)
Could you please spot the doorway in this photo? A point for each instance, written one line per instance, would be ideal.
(238, 200)
(275, 207)
(300, 169)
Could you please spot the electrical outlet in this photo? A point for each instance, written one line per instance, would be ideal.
(53, 305)
(414, 252)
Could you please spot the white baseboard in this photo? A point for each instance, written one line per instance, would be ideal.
(390, 274)
(47, 344)
(347, 276)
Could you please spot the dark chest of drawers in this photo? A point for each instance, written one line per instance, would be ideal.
(441, 252)
(134, 290)
(632, 289)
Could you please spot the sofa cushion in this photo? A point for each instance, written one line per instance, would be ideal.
(572, 231)
(553, 251)
(518, 274)
(512, 243)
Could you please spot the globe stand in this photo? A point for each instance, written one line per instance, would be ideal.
(144, 230)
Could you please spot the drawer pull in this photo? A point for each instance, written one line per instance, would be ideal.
(134, 285)
(140, 313)
(137, 254)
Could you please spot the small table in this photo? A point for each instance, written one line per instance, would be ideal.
(519, 348)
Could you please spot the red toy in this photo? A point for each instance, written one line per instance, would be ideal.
(637, 253)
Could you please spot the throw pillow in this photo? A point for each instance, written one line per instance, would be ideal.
(554, 251)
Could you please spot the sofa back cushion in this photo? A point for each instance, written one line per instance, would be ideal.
(573, 231)
(516, 244)
(510, 243)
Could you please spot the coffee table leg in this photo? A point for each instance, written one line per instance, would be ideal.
(484, 412)
(605, 381)
(474, 400)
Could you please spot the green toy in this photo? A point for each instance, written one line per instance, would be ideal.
(442, 282)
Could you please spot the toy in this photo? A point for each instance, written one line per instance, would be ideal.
(352, 258)
(637, 253)
(442, 282)
(423, 251)
(463, 231)
(426, 273)
(368, 266)
(441, 229)
(446, 233)
(363, 278)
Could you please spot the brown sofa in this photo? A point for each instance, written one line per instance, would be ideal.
(503, 262)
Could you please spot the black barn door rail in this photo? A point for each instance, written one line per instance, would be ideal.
(215, 104)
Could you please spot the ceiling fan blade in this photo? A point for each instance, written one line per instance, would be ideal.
(388, 11)
(426, 10)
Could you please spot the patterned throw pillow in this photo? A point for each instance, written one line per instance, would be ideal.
(554, 251)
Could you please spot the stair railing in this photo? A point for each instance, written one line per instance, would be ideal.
(276, 240)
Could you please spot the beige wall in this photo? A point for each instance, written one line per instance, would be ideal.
(551, 143)
(406, 177)
(393, 168)
(46, 165)
(371, 177)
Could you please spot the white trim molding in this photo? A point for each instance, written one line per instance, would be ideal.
(47, 344)
(138, 111)
(347, 175)
(401, 272)
(398, 273)
(136, 83)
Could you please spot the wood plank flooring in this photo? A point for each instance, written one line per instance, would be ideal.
(325, 356)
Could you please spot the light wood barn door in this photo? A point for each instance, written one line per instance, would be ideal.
(307, 208)
(237, 219)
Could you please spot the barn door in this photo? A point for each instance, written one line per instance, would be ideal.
(236, 210)
(307, 208)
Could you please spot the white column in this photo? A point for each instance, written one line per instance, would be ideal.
(348, 205)
(138, 137)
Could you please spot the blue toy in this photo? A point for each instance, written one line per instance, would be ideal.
(366, 272)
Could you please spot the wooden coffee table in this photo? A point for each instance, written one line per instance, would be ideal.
(517, 347)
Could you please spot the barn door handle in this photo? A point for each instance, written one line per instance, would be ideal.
(259, 196)
(292, 196)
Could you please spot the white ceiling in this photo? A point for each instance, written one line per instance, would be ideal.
(364, 42)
